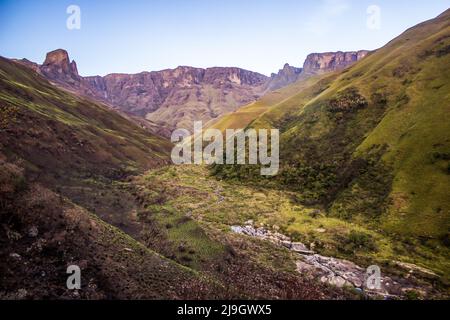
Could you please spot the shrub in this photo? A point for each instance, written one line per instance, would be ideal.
(357, 241)
(347, 101)
(8, 116)
(443, 51)
(412, 295)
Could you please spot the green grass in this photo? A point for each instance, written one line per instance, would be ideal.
(368, 144)
(216, 205)
(166, 209)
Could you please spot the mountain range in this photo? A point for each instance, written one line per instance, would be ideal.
(174, 98)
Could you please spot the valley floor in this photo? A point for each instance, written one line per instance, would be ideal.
(192, 214)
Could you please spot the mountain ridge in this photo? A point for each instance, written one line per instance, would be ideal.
(173, 98)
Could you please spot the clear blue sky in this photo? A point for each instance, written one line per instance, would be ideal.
(259, 35)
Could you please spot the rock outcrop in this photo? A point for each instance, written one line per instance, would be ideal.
(319, 63)
(285, 76)
(315, 63)
(274, 237)
(337, 272)
(57, 67)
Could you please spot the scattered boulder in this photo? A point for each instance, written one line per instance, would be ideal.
(300, 248)
(412, 268)
(334, 271)
(237, 229)
(287, 244)
(274, 237)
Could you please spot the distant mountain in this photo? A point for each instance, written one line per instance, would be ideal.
(287, 82)
(172, 97)
(319, 63)
(285, 76)
(315, 63)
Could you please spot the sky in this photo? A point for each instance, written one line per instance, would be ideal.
(259, 35)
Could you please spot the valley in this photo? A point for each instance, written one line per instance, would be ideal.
(68, 196)
(221, 207)
(86, 178)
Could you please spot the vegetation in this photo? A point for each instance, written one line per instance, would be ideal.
(113, 264)
(216, 205)
(364, 176)
(369, 143)
(68, 196)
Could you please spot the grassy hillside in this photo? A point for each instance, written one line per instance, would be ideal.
(43, 233)
(62, 156)
(371, 144)
(100, 141)
(75, 146)
(242, 117)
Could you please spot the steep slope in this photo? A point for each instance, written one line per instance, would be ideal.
(72, 145)
(372, 143)
(42, 234)
(242, 117)
(104, 139)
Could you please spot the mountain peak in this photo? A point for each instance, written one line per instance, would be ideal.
(57, 57)
(58, 66)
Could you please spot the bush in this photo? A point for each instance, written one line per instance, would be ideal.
(357, 241)
(443, 51)
(412, 295)
(8, 116)
(347, 101)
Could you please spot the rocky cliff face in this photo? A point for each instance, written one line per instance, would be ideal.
(175, 98)
(58, 67)
(317, 63)
(285, 76)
